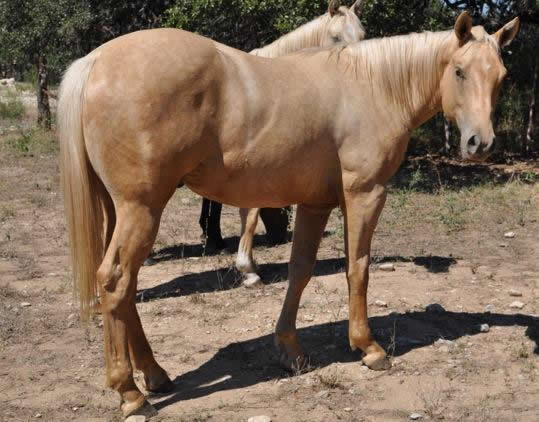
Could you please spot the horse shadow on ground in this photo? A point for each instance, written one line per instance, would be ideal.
(226, 278)
(247, 363)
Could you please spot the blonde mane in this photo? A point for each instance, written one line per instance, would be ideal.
(306, 36)
(388, 65)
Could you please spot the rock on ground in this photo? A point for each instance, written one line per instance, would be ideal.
(259, 419)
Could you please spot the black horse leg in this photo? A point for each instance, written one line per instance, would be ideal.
(276, 222)
(210, 222)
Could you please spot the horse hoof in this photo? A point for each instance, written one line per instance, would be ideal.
(138, 407)
(165, 387)
(377, 363)
(213, 246)
(252, 281)
(158, 381)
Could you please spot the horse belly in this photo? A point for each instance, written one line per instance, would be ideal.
(271, 178)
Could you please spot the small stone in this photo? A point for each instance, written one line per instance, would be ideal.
(381, 304)
(435, 308)
(308, 318)
(484, 328)
(347, 409)
(259, 419)
(38, 415)
(75, 408)
(415, 416)
(25, 304)
(509, 235)
(322, 394)
(252, 281)
(136, 418)
(517, 305)
(503, 245)
(489, 308)
(387, 267)
(515, 293)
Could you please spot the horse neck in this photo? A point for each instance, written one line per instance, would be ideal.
(306, 36)
(404, 73)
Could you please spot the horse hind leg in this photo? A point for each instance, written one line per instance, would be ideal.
(244, 257)
(125, 343)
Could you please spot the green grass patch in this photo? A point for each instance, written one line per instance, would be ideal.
(35, 141)
(11, 107)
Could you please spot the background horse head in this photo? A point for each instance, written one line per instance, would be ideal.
(340, 24)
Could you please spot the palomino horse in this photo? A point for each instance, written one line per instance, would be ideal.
(339, 25)
(153, 109)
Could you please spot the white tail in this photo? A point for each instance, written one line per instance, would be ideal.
(83, 191)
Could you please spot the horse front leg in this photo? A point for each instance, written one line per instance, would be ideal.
(244, 258)
(308, 230)
(125, 341)
(361, 210)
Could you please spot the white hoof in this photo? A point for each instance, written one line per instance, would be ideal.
(252, 281)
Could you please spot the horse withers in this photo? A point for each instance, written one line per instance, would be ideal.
(328, 126)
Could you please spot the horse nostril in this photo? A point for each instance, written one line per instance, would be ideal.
(473, 142)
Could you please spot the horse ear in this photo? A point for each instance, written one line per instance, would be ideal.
(463, 27)
(334, 7)
(357, 7)
(505, 35)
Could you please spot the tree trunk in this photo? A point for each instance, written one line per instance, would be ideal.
(43, 107)
(527, 139)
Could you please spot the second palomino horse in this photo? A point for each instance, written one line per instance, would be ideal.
(340, 25)
(325, 128)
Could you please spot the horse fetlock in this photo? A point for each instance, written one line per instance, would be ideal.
(360, 339)
(244, 263)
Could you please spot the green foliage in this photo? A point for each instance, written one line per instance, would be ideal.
(243, 24)
(47, 28)
(31, 142)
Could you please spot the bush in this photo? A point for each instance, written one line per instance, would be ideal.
(243, 24)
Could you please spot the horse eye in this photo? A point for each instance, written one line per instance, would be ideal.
(459, 73)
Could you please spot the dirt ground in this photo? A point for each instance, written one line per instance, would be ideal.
(443, 228)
